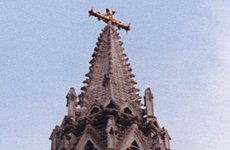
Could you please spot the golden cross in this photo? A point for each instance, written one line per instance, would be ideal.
(108, 18)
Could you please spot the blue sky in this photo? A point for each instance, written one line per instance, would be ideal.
(180, 49)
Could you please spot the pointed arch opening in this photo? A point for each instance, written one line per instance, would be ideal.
(127, 110)
(111, 106)
(90, 146)
(111, 131)
(94, 110)
(133, 146)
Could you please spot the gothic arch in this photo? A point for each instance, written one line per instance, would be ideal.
(133, 141)
(94, 109)
(90, 146)
(127, 110)
(87, 143)
(112, 105)
(133, 146)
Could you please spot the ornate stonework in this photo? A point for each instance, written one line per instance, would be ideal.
(108, 114)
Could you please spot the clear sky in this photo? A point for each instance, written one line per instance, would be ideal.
(179, 48)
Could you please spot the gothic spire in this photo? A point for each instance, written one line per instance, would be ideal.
(110, 78)
(110, 116)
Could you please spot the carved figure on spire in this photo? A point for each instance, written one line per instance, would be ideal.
(108, 18)
(111, 131)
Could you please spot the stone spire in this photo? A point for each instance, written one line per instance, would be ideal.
(109, 115)
(110, 78)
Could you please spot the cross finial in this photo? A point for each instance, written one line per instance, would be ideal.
(108, 18)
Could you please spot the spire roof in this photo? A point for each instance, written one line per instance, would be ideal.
(110, 79)
(109, 115)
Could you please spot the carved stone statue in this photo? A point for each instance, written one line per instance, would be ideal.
(71, 102)
(111, 131)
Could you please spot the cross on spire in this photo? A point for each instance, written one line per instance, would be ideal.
(108, 18)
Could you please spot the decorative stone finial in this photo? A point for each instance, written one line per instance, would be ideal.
(148, 99)
(71, 102)
(166, 138)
